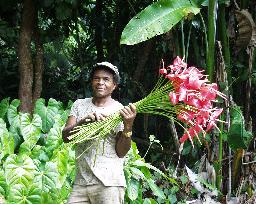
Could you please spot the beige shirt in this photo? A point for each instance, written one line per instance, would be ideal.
(100, 163)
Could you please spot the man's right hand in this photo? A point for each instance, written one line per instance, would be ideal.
(93, 117)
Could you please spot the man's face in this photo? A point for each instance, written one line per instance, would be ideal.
(102, 83)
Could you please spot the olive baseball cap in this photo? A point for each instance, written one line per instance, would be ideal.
(110, 66)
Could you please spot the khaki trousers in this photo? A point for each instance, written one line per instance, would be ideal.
(96, 194)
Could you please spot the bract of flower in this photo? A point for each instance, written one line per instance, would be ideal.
(162, 71)
(209, 91)
(195, 83)
(186, 116)
(212, 119)
(179, 62)
(191, 133)
(202, 117)
(182, 93)
(173, 98)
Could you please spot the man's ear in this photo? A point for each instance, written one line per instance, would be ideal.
(115, 86)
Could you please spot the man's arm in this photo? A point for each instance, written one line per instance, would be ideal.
(123, 142)
(71, 123)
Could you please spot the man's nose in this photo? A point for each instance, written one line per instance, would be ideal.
(101, 81)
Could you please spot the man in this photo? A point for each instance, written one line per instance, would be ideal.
(100, 178)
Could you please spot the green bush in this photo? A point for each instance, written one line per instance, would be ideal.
(35, 165)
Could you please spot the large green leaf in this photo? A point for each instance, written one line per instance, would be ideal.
(4, 104)
(238, 137)
(12, 112)
(19, 169)
(54, 138)
(156, 19)
(46, 179)
(47, 113)
(30, 130)
(6, 141)
(24, 194)
(60, 158)
(39, 153)
(3, 184)
(14, 121)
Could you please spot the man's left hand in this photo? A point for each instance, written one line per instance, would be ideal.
(128, 114)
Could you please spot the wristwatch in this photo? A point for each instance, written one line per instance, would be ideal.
(127, 134)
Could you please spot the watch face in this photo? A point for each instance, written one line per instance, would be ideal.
(128, 134)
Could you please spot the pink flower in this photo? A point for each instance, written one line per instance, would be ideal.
(192, 88)
(214, 115)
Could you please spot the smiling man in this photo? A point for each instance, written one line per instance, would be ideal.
(100, 178)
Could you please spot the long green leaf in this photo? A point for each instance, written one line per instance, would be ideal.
(238, 137)
(3, 185)
(4, 104)
(155, 189)
(47, 113)
(60, 158)
(54, 138)
(12, 112)
(156, 19)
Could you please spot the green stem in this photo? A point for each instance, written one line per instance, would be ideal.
(211, 38)
(182, 38)
(219, 171)
(147, 150)
(205, 35)
(224, 40)
(189, 33)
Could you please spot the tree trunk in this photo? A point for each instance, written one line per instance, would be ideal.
(25, 58)
(39, 67)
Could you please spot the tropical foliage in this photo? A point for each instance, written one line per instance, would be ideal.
(66, 37)
(35, 166)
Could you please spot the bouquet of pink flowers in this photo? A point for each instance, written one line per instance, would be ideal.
(182, 93)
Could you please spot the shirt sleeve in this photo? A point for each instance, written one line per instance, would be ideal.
(74, 109)
(119, 127)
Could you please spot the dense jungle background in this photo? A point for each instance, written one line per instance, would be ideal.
(47, 48)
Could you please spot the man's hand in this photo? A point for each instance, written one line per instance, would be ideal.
(92, 117)
(128, 114)
(123, 143)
